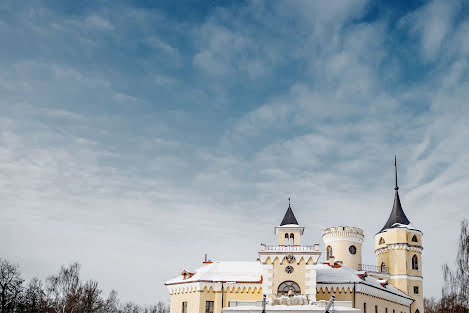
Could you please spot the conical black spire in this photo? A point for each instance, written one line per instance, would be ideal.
(397, 213)
(289, 217)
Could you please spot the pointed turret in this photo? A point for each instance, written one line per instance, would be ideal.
(397, 214)
(289, 218)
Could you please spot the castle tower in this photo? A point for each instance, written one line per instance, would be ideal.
(289, 265)
(398, 249)
(289, 232)
(344, 244)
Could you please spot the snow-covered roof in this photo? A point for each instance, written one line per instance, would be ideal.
(326, 274)
(224, 271)
(251, 272)
(409, 226)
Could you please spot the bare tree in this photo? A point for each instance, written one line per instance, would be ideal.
(64, 290)
(455, 293)
(91, 297)
(431, 305)
(10, 286)
(33, 300)
(111, 305)
(162, 307)
(131, 307)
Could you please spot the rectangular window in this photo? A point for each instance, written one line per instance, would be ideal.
(209, 307)
(386, 310)
(364, 307)
(416, 289)
(184, 307)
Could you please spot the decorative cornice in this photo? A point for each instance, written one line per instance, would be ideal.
(313, 256)
(398, 246)
(405, 276)
(343, 233)
(328, 239)
(214, 287)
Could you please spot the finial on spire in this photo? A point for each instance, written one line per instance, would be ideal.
(288, 201)
(395, 171)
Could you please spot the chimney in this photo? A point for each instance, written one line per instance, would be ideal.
(206, 260)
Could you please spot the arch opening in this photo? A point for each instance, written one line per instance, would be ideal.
(328, 252)
(286, 286)
(415, 262)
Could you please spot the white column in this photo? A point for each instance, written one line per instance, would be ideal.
(267, 279)
(310, 282)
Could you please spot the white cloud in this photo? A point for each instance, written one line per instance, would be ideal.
(117, 168)
(432, 23)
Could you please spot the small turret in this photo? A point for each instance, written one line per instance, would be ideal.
(344, 244)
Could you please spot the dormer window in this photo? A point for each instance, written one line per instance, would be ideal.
(414, 239)
(381, 241)
(186, 274)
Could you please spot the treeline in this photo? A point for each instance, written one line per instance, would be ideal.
(455, 291)
(61, 293)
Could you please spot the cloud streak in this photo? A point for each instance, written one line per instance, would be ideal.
(152, 138)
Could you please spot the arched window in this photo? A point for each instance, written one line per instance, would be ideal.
(383, 268)
(415, 262)
(292, 239)
(414, 239)
(285, 287)
(381, 241)
(329, 252)
(286, 240)
(417, 311)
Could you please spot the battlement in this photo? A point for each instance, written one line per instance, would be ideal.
(343, 233)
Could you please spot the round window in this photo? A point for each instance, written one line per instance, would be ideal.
(289, 269)
(352, 249)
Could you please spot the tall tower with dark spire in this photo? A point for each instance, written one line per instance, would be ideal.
(398, 249)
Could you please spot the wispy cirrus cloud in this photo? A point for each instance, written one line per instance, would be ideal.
(128, 131)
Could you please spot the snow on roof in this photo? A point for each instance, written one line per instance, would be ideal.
(239, 271)
(226, 271)
(326, 274)
(409, 226)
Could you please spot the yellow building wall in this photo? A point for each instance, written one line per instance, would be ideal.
(192, 299)
(418, 304)
(346, 294)
(340, 251)
(280, 275)
(382, 304)
(196, 300)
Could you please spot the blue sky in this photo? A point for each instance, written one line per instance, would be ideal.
(137, 136)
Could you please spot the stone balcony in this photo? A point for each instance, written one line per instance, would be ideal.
(289, 248)
(373, 269)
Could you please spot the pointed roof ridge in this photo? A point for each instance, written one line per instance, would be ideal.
(289, 218)
(397, 214)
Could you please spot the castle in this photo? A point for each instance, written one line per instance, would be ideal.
(288, 277)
